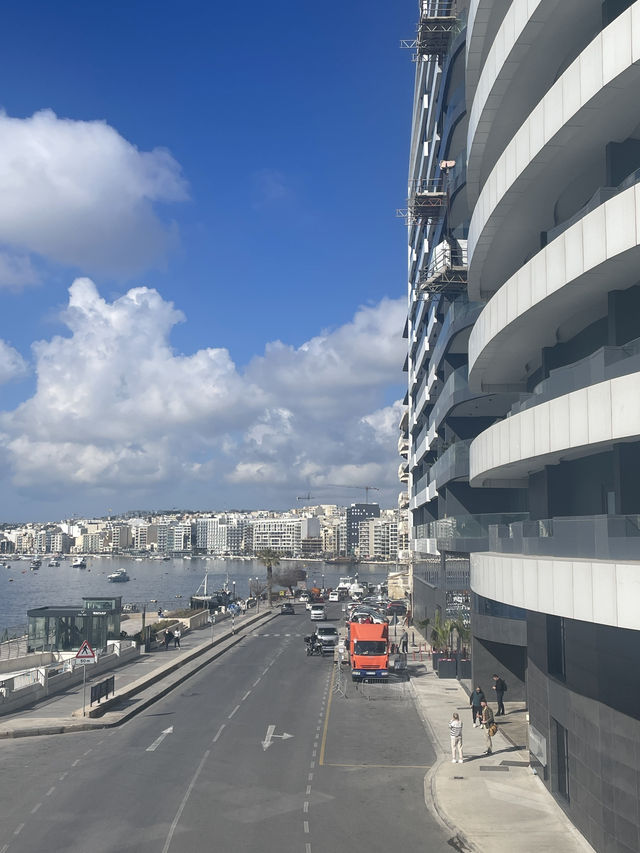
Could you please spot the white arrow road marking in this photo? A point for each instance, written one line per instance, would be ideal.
(266, 743)
(159, 740)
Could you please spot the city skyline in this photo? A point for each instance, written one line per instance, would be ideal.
(150, 193)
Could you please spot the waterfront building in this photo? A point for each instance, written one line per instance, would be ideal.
(282, 534)
(523, 329)
(354, 515)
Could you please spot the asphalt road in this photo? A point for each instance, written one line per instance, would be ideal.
(257, 752)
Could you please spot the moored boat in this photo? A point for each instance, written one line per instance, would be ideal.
(119, 576)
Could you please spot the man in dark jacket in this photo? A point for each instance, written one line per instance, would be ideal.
(475, 701)
(499, 686)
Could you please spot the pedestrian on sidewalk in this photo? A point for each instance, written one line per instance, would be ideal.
(487, 722)
(455, 730)
(168, 636)
(499, 685)
(404, 643)
(475, 701)
(176, 638)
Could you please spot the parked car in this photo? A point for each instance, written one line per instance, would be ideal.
(287, 608)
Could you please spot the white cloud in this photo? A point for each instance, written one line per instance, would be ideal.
(115, 408)
(12, 365)
(77, 193)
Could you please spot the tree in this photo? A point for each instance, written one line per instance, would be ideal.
(289, 577)
(269, 558)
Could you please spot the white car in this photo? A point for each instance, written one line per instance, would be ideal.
(317, 613)
(334, 596)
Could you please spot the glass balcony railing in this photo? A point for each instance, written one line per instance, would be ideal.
(598, 537)
(605, 363)
(466, 526)
(453, 464)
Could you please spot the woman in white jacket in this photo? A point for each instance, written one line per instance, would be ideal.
(455, 730)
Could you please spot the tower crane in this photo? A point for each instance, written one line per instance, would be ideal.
(307, 497)
(367, 489)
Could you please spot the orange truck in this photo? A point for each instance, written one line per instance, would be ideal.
(369, 650)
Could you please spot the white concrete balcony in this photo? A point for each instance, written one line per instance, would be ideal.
(403, 446)
(586, 421)
(603, 592)
(598, 254)
(517, 72)
(593, 102)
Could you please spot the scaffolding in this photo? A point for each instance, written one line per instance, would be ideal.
(447, 271)
(438, 23)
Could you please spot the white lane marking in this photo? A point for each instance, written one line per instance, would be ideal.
(159, 740)
(306, 827)
(307, 848)
(233, 712)
(308, 790)
(310, 777)
(256, 682)
(218, 733)
(312, 765)
(314, 753)
(63, 775)
(77, 761)
(4, 848)
(266, 743)
(87, 752)
(248, 693)
(172, 829)
(35, 808)
(50, 791)
(18, 829)
(265, 671)
(305, 808)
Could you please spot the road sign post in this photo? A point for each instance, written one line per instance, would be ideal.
(84, 656)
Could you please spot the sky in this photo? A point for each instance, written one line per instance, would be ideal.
(202, 277)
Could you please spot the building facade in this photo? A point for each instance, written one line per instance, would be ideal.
(523, 405)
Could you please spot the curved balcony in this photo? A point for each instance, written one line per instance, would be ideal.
(453, 464)
(586, 590)
(551, 149)
(469, 532)
(483, 20)
(586, 421)
(594, 537)
(517, 72)
(457, 395)
(459, 319)
(596, 255)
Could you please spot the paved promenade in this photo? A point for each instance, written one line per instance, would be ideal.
(489, 804)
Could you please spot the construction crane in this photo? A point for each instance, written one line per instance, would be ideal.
(367, 489)
(307, 497)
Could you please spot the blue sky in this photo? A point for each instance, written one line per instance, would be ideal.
(220, 181)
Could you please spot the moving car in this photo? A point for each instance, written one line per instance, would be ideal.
(317, 612)
(334, 595)
(328, 636)
(287, 608)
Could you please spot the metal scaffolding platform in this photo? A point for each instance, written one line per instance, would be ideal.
(447, 272)
(437, 25)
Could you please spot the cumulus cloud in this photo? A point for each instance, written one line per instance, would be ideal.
(79, 194)
(12, 365)
(116, 408)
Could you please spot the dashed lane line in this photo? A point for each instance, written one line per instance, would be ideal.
(233, 712)
(218, 733)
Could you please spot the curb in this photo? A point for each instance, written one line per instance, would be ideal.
(222, 644)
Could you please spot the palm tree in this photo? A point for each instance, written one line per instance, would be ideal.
(269, 558)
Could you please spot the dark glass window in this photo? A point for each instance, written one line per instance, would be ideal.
(562, 760)
(488, 607)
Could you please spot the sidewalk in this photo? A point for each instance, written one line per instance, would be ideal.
(491, 803)
(137, 684)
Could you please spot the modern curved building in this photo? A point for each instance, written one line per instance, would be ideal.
(542, 388)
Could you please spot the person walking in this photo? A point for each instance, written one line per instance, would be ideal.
(499, 686)
(455, 730)
(168, 636)
(487, 722)
(177, 633)
(404, 643)
(476, 710)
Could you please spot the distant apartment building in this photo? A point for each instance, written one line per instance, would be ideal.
(139, 536)
(523, 333)
(223, 534)
(354, 515)
(283, 534)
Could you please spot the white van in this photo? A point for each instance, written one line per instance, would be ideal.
(318, 613)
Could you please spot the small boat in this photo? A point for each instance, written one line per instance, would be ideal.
(35, 565)
(54, 563)
(79, 563)
(119, 576)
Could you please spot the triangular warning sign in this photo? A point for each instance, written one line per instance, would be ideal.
(85, 652)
